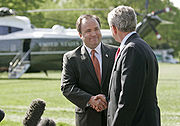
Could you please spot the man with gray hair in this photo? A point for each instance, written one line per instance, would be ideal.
(132, 89)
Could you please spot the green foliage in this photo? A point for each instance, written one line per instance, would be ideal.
(21, 8)
(20, 5)
(170, 32)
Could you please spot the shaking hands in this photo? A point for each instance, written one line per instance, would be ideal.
(98, 102)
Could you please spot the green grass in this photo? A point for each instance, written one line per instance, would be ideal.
(169, 94)
(17, 94)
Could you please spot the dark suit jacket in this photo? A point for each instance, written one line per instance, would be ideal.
(2, 114)
(132, 88)
(79, 82)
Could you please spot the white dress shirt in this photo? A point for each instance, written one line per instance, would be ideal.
(125, 39)
(98, 54)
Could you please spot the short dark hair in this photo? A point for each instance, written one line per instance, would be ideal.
(79, 21)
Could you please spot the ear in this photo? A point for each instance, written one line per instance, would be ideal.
(114, 29)
(80, 35)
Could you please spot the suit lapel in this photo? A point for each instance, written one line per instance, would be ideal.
(135, 35)
(127, 41)
(105, 62)
(87, 61)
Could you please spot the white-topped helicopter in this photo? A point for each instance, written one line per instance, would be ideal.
(24, 47)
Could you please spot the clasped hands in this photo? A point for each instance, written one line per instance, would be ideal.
(98, 102)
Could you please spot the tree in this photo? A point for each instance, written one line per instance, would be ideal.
(169, 33)
(21, 8)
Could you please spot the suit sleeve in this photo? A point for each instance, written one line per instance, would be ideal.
(69, 84)
(133, 76)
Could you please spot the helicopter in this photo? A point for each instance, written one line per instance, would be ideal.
(151, 21)
(24, 48)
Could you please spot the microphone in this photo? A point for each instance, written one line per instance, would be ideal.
(46, 122)
(2, 114)
(34, 113)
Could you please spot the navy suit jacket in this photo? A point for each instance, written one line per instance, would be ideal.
(132, 88)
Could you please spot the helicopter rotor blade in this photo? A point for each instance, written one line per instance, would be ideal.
(158, 36)
(166, 22)
(72, 9)
(146, 5)
(165, 10)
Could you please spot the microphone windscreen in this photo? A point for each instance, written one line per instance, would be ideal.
(47, 122)
(34, 113)
(2, 114)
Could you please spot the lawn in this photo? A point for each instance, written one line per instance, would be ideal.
(17, 94)
(169, 94)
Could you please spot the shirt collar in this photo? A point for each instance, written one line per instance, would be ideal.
(125, 39)
(98, 49)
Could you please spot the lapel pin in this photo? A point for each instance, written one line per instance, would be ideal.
(106, 55)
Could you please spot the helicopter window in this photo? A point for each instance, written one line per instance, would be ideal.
(10, 45)
(3, 30)
(6, 30)
(13, 29)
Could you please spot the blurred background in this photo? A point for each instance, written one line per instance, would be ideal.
(52, 15)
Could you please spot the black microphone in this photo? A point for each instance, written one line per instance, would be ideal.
(2, 114)
(34, 113)
(47, 122)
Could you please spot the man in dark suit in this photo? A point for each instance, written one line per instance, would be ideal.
(132, 89)
(86, 75)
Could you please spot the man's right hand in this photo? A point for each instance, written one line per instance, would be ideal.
(98, 102)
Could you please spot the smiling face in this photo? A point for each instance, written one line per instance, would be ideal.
(90, 32)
